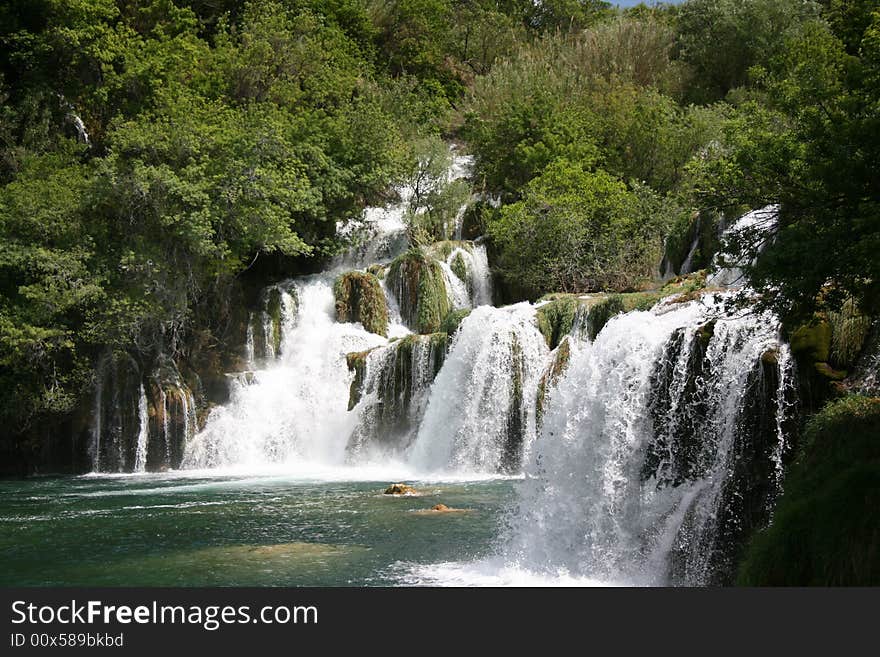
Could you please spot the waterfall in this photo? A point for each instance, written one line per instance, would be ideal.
(456, 289)
(751, 231)
(662, 439)
(687, 265)
(391, 398)
(295, 408)
(166, 426)
(249, 350)
(140, 456)
(481, 276)
(97, 416)
(648, 449)
(469, 264)
(481, 412)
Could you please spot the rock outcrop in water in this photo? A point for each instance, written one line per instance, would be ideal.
(419, 287)
(359, 298)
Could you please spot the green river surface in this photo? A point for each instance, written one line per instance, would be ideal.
(198, 529)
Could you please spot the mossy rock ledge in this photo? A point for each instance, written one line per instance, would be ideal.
(551, 376)
(360, 298)
(417, 282)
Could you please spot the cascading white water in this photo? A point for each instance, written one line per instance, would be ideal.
(751, 230)
(296, 408)
(486, 383)
(98, 417)
(140, 455)
(166, 425)
(456, 289)
(478, 286)
(687, 265)
(593, 502)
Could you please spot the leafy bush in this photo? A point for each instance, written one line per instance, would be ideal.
(578, 231)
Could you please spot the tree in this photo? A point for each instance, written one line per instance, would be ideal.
(814, 149)
(578, 231)
(722, 39)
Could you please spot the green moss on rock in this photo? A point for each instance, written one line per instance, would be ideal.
(551, 376)
(273, 309)
(824, 530)
(359, 298)
(556, 319)
(453, 320)
(511, 458)
(602, 311)
(418, 284)
(459, 267)
(357, 363)
(812, 341)
(377, 270)
(442, 250)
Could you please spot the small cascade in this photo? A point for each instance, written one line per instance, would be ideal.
(866, 376)
(98, 415)
(390, 392)
(659, 450)
(750, 232)
(481, 412)
(249, 348)
(267, 324)
(139, 423)
(166, 426)
(456, 288)
(467, 262)
(140, 455)
(117, 414)
(296, 407)
(687, 265)
(175, 420)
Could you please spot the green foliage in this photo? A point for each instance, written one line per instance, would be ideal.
(360, 298)
(213, 140)
(849, 330)
(722, 39)
(578, 231)
(435, 201)
(813, 147)
(591, 98)
(824, 530)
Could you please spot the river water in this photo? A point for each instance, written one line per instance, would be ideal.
(211, 529)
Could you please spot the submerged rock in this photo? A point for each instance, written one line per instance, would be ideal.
(359, 298)
(439, 509)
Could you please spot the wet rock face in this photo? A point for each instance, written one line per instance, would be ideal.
(141, 419)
